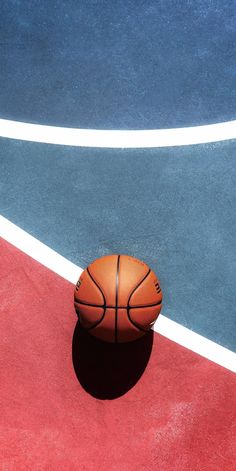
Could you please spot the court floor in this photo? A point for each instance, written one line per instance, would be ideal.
(117, 135)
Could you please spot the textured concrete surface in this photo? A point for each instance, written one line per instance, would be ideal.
(123, 64)
(174, 208)
(175, 412)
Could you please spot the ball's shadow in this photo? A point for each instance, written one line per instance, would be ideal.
(107, 371)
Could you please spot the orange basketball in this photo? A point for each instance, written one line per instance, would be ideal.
(118, 298)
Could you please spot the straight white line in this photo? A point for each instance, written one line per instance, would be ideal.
(118, 138)
(195, 342)
(39, 251)
(71, 272)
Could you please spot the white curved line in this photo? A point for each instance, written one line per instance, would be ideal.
(71, 272)
(118, 139)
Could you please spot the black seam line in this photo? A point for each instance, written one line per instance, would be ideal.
(100, 289)
(104, 303)
(128, 307)
(116, 307)
(102, 306)
(132, 292)
(94, 325)
(136, 325)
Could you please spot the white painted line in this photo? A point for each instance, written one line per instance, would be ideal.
(195, 342)
(118, 139)
(71, 272)
(39, 251)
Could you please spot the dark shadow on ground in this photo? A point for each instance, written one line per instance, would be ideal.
(107, 371)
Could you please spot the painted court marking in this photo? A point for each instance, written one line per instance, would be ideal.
(71, 272)
(118, 138)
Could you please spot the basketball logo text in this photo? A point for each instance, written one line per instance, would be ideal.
(78, 285)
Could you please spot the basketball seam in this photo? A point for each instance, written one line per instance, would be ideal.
(139, 283)
(94, 325)
(136, 325)
(140, 306)
(100, 289)
(104, 306)
(116, 307)
(128, 306)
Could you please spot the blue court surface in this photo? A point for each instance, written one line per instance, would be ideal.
(118, 136)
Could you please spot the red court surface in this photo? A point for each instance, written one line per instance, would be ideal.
(178, 414)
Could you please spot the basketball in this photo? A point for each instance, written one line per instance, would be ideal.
(117, 298)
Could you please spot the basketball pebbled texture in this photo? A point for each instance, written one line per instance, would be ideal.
(117, 298)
